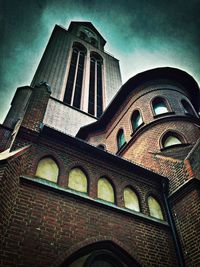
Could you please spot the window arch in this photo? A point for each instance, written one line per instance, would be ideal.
(73, 89)
(171, 139)
(155, 208)
(187, 107)
(48, 169)
(105, 190)
(101, 146)
(78, 180)
(95, 101)
(120, 139)
(160, 106)
(136, 120)
(131, 200)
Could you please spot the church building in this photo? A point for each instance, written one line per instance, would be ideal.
(94, 173)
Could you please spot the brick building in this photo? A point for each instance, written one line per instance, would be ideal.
(93, 175)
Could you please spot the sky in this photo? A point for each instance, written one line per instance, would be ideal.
(142, 34)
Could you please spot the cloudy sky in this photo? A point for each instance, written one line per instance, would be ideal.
(142, 34)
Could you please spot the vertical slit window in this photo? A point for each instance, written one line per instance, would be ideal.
(73, 90)
(92, 87)
(95, 104)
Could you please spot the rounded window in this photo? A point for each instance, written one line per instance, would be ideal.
(187, 107)
(105, 190)
(77, 180)
(120, 139)
(48, 169)
(136, 120)
(155, 208)
(159, 106)
(171, 139)
(131, 200)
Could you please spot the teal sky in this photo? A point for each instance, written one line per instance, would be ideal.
(142, 34)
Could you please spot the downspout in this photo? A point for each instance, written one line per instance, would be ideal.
(172, 225)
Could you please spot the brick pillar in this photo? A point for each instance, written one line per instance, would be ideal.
(37, 106)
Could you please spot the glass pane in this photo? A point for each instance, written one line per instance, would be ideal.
(136, 120)
(171, 141)
(48, 169)
(91, 88)
(131, 199)
(105, 190)
(120, 139)
(77, 180)
(155, 209)
(159, 106)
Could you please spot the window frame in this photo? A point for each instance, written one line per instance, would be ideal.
(166, 102)
(138, 198)
(74, 87)
(173, 133)
(113, 187)
(159, 203)
(117, 139)
(140, 113)
(192, 113)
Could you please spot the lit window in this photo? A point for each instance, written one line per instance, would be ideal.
(95, 103)
(187, 107)
(131, 199)
(105, 190)
(154, 208)
(77, 180)
(171, 139)
(73, 90)
(136, 120)
(47, 169)
(159, 106)
(120, 139)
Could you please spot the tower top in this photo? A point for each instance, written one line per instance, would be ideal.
(86, 31)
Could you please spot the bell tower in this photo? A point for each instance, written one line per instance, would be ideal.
(77, 68)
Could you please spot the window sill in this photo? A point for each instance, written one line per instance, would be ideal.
(175, 146)
(121, 148)
(164, 114)
(137, 129)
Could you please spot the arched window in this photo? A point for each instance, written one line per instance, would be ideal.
(171, 139)
(95, 103)
(159, 106)
(120, 139)
(48, 169)
(154, 208)
(73, 90)
(136, 120)
(77, 180)
(187, 107)
(101, 147)
(131, 200)
(105, 190)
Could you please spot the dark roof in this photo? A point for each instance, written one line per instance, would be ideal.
(86, 24)
(173, 74)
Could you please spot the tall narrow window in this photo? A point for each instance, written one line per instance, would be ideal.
(77, 180)
(120, 139)
(154, 208)
(131, 200)
(73, 90)
(159, 106)
(105, 190)
(136, 120)
(95, 103)
(187, 107)
(47, 169)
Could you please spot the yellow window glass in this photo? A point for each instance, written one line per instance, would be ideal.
(105, 190)
(47, 169)
(77, 180)
(131, 199)
(154, 207)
